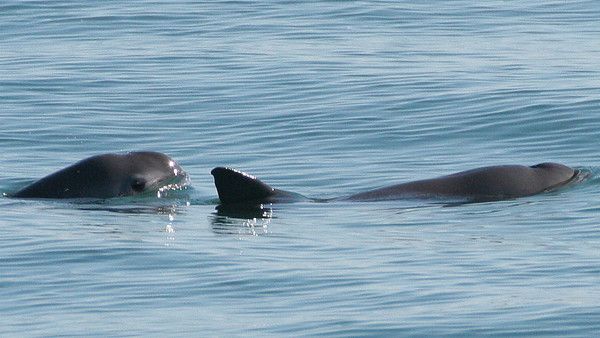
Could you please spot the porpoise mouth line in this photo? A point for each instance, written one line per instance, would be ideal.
(179, 182)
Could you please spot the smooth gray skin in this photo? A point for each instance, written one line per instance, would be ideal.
(481, 184)
(106, 176)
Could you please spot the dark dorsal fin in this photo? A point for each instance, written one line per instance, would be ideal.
(237, 187)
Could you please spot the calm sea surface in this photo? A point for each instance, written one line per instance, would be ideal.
(324, 98)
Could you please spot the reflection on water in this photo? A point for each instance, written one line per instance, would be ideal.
(244, 210)
(170, 210)
(242, 219)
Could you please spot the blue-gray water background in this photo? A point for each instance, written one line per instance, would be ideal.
(323, 98)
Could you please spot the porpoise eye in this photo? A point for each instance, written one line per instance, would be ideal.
(138, 185)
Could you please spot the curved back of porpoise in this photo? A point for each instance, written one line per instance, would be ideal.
(487, 183)
(481, 184)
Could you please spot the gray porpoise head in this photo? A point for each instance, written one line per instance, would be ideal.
(108, 175)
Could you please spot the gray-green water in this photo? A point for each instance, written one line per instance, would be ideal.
(323, 98)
